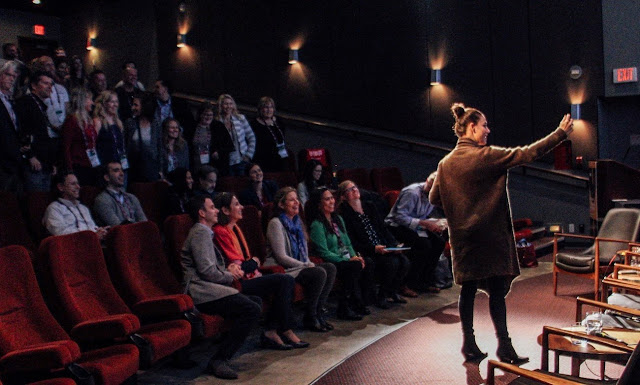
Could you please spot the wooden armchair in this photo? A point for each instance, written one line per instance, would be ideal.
(529, 377)
(620, 226)
(625, 278)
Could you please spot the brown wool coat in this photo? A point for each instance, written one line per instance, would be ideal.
(471, 187)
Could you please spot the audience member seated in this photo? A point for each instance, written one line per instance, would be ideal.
(79, 139)
(208, 282)
(77, 75)
(33, 124)
(180, 191)
(371, 238)
(114, 206)
(276, 287)
(144, 141)
(11, 148)
(168, 107)
(209, 142)
(97, 82)
(207, 179)
(310, 179)
(110, 143)
(175, 151)
(419, 225)
(271, 151)
(260, 191)
(67, 215)
(287, 244)
(127, 91)
(329, 241)
(241, 135)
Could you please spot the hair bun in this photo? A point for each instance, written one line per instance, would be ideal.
(458, 110)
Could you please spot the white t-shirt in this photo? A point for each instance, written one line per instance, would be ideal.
(56, 107)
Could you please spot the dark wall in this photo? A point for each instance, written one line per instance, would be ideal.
(122, 31)
(621, 37)
(368, 62)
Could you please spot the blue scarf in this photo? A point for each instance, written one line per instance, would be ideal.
(296, 237)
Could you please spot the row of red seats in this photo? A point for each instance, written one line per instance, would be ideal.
(134, 290)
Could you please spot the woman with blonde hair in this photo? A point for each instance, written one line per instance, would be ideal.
(471, 187)
(79, 138)
(241, 134)
(287, 244)
(176, 150)
(110, 143)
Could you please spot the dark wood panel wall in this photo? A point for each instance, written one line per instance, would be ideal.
(368, 62)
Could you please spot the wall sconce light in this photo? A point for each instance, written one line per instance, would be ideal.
(575, 111)
(436, 77)
(36, 2)
(182, 7)
(91, 43)
(182, 40)
(293, 56)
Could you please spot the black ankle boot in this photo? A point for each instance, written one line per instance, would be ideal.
(470, 349)
(506, 353)
(346, 313)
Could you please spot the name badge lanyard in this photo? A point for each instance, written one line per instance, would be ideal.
(75, 216)
(90, 145)
(43, 111)
(125, 208)
(282, 151)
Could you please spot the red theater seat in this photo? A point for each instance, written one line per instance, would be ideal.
(37, 202)
(386, 178)
(154, 198)
(13, 228)
(93, 312)
(140, 270)
(284, 178)
(176, 230)
(391, 197)
(34, 346)
(359, 176)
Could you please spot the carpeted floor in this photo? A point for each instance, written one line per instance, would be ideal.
(414, 343)
(427, 351)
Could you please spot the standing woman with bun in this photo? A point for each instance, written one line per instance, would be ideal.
(471, 187)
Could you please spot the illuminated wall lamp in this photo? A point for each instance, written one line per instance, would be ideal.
(293, 56)
(575, 111)
(436, 77)
(182, 40)
(91, 43)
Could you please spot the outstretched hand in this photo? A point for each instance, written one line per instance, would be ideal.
(566, 124)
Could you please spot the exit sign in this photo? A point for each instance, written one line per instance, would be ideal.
(625, 75)
(38, 29)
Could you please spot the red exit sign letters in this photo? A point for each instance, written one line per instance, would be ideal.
(625, 75)
(38, 29)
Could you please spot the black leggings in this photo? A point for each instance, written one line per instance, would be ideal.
(497, 288)
(279, 289)
(317, 282)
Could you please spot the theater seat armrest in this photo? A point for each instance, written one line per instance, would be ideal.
(272, 269)
(52, 355)
(107, 328)
(165, 305)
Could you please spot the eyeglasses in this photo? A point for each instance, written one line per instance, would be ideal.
(350, 189)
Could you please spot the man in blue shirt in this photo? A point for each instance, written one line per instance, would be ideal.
(419, 225)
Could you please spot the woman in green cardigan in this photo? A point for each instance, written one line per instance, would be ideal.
(329, 241)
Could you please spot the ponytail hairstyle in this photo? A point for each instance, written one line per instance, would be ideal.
(463, 116)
